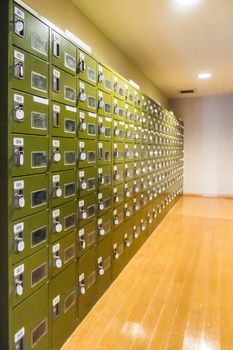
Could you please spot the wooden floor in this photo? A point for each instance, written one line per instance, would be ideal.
(176, 293)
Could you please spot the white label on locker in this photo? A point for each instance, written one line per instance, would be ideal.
(115, 167)
(115, 79)
(115, 145)
(108, 119)
(100, 259)
(56, 143)
(18, 185)
(82, 56)
(93, 115)
(100, 171)
(100, 120)
(115, 124)
(115, 101)
(100, 145)
(18, 227)
(81, 277)
(126, 106)
(56, 247)
(100, 221)
(19, 55)
(56, 108)
(81, 144)
(100, 69)
(18, 142)
(19, 335)
(81, 203)
(71, 109)
(126, 146)
(115, 190)
(114, 212)
(56, 178)
(19, 13)
(56, 73)
(81, 174)
(19, 270)
(43, 101)
(19, 98)
(100, 94)
(56, 300)
(82, 85)
(115, 246)
(100, 196)
(56, 38)
(81, 232)
(82, 115)
(56, 213)
(126, 165)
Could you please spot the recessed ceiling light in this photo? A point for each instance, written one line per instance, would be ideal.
(205, 75)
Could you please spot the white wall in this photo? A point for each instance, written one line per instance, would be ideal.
(208, 144)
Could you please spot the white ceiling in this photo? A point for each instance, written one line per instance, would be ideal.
(171, 42)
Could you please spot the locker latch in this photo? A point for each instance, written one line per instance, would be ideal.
(18, 65)
(19, 279)
(100, 266)
(56, 80)
(18, 144)
(56, 257)
(127, 241)
(19, 112)
(83, 124)
(101, 77)
(115, 252)
(19, 237)
(57, 191)
(82, 286)
(83, 155)
(56, 221)
(19, 201)
(101, 103)
(101, 229)
(82, 241)
(101, 204)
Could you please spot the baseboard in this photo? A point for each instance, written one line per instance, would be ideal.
(208, 195)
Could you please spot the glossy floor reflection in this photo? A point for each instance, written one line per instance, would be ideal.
(176, 293)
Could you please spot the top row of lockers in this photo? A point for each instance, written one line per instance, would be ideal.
(36, 37)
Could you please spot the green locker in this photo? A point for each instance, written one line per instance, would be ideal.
(129, 209)
(86, 282)
(104, 128)
(118, 86)
(104, 177)
(104, 201)
(87, 209)
(29, 328)
(62, 187)
(118, 109)
(118, 131)
(129, 171)
(86, 237)
(62, 253)
(29, 114)
(117, 251)
(63, 53)
(118, 173)
(86, 154)
(137, 169)
(63, 87)
(118, 215)
(129, 152)
(104, 78)
(29, 73)
(87, 96)
(62, 306)
(104, 104)
(118, 152)
(129, 189)
(27, 155)
(87, 125)
(87, 181)
(87, 67)
(62, 154)
(104, 226)
(129, 113)
(28, 275)
(104, 153)
(103, 265)
(129, 94)
(28, 235)
(130, 134)
(29, 195)
(63, 120)
(128, 242)
(118, 194)
(62, 220)
(29, 33)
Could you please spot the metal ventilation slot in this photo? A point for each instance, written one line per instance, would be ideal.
(190, 91)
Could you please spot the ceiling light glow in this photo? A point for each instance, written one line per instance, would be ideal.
(186, 2)
(204, 75)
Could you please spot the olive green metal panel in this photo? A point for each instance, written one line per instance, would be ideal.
(63, 86)
(63, 53)
(62, 306)
(62, 120)
(118, 194)
(118, 152)
(86, 237)
(87, 153)
(30, 326)
(105, 128)
(29, 73)
(104, 78)
(87, 181)
(104, 177)
(62, 187)
(87, 125)
(62, 220)
(27, 276)
(118, 173)
(118, 109)
(62, 253)
(118, 216)
(87, 67)
(117, 251)
(30, 33)
(86, 282)
(104, 226)
(104, 153)
(87, 209)
(28, 114)
(63, 154)
(28, 195)
(28, 235)
(118, 131)
(104, 201)
(103, 265)
(118, 86)
(28, 155)
(87, 96)
(104, 104)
